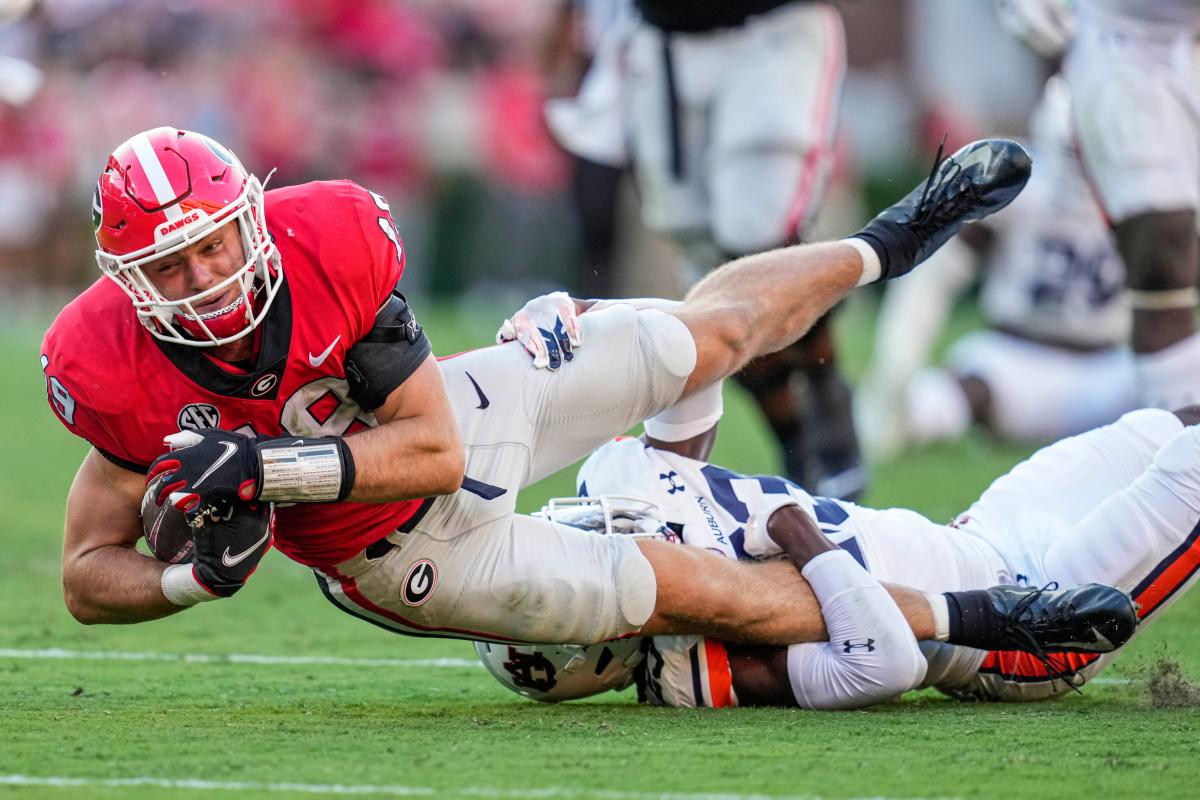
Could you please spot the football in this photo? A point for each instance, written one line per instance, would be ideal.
(164, 527)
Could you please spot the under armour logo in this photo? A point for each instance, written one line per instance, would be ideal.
(672, 486)
(868, 645)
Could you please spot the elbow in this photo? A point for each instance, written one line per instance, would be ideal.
(447, 468)
(904, 669)
(455, 464)
(77, 605)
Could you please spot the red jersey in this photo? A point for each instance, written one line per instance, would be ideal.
(123, 390)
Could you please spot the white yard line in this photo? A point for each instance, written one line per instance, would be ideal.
(546, 793)
(53, 653)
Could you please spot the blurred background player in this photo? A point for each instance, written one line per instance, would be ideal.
(733, 108)
(586, 114)
(1052, 360)
(1132, 69)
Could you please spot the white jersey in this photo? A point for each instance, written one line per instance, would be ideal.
(707, 505)
(1056, 275)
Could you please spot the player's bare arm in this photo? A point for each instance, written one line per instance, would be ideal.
(761, 303)
(416, 451)
(105, 579)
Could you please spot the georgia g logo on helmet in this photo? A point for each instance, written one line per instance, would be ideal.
(163, 190)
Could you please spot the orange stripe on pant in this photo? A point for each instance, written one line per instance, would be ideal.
(1170, 574)
(720, 679)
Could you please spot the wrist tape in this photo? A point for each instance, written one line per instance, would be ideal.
(179, 585)
(758, 542)
(305, 470)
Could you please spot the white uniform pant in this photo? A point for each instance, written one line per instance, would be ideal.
(1040, 392)
(1137, 111)
(756, 109)
(1119, 505)
(470, 567)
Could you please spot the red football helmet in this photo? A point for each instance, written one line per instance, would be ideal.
(165, 189)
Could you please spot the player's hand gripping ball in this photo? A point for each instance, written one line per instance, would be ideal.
(165, 527)
(224, 550)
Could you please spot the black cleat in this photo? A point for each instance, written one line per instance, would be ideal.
(1087, 619)
(978, 180)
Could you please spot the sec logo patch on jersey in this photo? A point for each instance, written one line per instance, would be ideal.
(419, 583)
(197, 416)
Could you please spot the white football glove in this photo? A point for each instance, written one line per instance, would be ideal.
(548, 327)
(1046, 26)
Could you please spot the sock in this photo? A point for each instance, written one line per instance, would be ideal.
(691, 416)
(939, 605)
(871, 258)
(971, 619)
(895, 249)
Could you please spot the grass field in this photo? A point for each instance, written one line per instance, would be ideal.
(276, 694)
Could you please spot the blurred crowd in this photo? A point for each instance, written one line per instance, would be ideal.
(436, 104)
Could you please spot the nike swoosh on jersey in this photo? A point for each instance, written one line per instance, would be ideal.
(483, 401)
(317, 361)
(233, 561)
(230, 449)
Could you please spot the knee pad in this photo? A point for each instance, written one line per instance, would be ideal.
(1150, 428)
(637, 590)
(673, 342)
(1180, 458)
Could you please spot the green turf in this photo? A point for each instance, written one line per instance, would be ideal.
(453, 732)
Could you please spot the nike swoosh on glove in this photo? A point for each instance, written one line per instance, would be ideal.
(547, 327)
(208, 472)
(228, 549)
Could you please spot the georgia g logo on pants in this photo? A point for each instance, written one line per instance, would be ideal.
(419, 582)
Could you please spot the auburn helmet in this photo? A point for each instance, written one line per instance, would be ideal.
(550, 673)
(163, 190)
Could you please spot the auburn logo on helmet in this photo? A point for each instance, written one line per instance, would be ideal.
(530, 670)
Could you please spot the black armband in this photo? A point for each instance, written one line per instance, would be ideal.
(389, 353)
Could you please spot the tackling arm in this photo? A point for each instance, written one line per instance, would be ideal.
(105, 579)
(871, 654)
